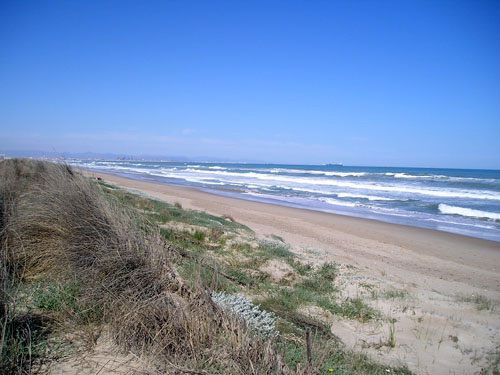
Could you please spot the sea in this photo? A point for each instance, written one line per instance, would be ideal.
(463, 201)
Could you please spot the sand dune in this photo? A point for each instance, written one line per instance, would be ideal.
(441, 289)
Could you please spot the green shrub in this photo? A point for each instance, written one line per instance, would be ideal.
(199, 236)
(56, 297)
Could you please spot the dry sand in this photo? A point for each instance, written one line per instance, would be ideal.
(433, 276)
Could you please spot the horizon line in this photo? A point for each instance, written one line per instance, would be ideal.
(114, 156)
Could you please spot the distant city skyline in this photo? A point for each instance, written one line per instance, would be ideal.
(382, 83)
(52, 155)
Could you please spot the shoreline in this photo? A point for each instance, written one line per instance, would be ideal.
(437, 225)
(464, 203)
(341, 215)
(439, 274)
(377, 227)
(338, 234)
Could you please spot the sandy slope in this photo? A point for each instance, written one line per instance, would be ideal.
(436, 330)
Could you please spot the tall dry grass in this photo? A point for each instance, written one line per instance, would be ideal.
(56, 224)
(17, 330)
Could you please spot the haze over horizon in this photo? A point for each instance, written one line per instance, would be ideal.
(85, 155)
(362, 83)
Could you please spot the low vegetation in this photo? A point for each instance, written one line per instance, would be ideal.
(395, 294)
(481, 302)
(188, 291)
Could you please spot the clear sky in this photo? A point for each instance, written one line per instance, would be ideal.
(412, 83)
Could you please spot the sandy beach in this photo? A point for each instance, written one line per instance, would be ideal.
(439, 327)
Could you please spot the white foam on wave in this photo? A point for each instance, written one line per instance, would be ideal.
(362, 196)
(392, 211)
(467, 212)
(336, 202)
(440, 177)
(275, 171)
(474, 179)
(399, 175)
(321, 173)
(449, 193)
(327, 173)
(411, 176)
(200, 180)
(467, 224)
(305, 190)
(314, 181)
(345, 174)
(302, 182)
(119, 168)
(256, 194)
(203, 181)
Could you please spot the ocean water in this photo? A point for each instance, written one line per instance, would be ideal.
(464, 201)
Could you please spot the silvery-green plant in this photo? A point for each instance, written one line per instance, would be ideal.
(260, 321)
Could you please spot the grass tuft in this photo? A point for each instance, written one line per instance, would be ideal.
(481, 302)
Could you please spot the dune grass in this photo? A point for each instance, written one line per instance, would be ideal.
(82, 255)
(481, 302)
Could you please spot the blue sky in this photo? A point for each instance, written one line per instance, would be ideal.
(412, 83)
